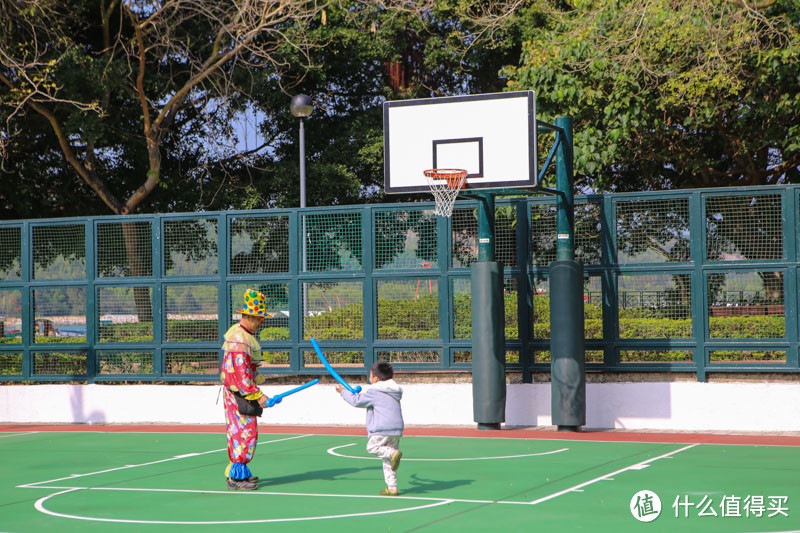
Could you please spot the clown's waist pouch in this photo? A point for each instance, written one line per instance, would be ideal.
(245, 406)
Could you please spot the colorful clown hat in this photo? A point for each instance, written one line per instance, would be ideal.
(254, 304)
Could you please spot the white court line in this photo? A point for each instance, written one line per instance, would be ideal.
(607, 477)
(41, 508)
(19, 434)
(267, 493)
(75, 476)
(435, 502)
(332, 452)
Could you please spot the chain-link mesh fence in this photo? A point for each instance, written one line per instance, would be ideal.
(655, 356)
(408, 309)
(191, 362)
(59, 315)
(541, 308)
(124, 249)
(124, 363)
(747, 356)
(10, 364)
(276, 299)
(191, 313)
(331, 242)
(653, 231)
(744, 227)
(125, 314)
(274, 359)
(60, 364)
(142, 295)
(259, 245)
(410, 356)
(588, 228)
(405, 239)
(333, 310)
(593, 307)
(59, 251)
(746, 305)
(342, 359)
(464, 236)
(654, 306)
(10, 316)
(190, 247)
(594, 356)
(10, 253)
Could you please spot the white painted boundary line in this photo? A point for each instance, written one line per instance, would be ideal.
(40, 507)
(436, 502)
(18, 434)
(183, 456)
(332, 452)
(609, 477)
(267, 493)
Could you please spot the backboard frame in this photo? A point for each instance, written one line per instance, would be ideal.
(525, 169)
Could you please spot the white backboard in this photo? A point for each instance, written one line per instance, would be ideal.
(492, 136)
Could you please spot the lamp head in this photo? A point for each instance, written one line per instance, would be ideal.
(301, 106)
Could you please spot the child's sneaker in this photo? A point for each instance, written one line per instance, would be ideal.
(389, 492)
(396, 456)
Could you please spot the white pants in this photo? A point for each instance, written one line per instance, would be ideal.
(383, 446)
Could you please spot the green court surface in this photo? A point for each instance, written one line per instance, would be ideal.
(154, 482)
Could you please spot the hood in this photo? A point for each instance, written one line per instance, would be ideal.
(388, 386)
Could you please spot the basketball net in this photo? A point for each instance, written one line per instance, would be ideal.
(445, 184)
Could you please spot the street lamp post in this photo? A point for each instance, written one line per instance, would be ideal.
(302, 107)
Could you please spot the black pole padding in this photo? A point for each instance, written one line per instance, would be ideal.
(568, 363)
(488, 345)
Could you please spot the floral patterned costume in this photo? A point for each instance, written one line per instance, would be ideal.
(239, 374)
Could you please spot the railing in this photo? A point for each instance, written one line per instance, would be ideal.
(686, 281)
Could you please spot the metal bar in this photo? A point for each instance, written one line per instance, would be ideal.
(524, 289)
(565, 222)
(698, 297)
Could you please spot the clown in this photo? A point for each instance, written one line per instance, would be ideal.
(239, 376)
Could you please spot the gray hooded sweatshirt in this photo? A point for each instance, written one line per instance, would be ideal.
(382, 401)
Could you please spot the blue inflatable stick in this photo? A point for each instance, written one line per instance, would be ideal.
(278, 398)
(331, 370)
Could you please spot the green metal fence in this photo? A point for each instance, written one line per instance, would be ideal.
(680, 281)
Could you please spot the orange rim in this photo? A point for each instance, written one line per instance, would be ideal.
(455, 177)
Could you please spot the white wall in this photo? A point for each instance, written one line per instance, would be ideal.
(669, 406)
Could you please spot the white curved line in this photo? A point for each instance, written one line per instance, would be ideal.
(332, 452)
(41, 508)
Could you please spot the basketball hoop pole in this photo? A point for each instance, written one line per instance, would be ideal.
(485, 226)
(488, 324)
(567, 350)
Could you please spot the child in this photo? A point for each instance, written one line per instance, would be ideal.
(384, 420)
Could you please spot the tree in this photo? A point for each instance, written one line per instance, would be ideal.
(141, 99)
(372, 54)
(84, 68)
(668, 94)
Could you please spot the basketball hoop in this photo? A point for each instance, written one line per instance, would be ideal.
(445, 184)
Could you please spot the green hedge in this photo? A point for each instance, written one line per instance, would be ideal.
(654, 328)
(654, 356)
(419, 319)
(747, 327)
(10, 364)
(756, 356)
